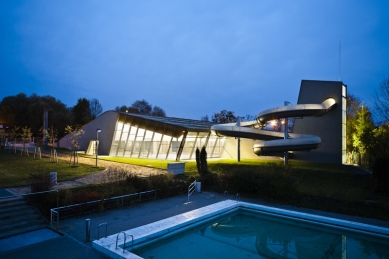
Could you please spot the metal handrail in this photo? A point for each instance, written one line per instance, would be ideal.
(142, 196)
(191, 189)
(226, 193)
(125, 238)
(98, 229)
(117, 237)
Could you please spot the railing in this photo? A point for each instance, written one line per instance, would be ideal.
(191, 189)
(100, 205)
(124, 243)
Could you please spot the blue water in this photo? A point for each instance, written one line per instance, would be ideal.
(245, 234)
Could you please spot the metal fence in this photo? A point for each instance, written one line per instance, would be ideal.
(56, 214)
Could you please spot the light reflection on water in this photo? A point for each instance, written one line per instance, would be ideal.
(246, 234)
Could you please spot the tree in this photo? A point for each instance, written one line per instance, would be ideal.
(201, 161)
(249, 117)
(95, 108)
(380, 147)
(13, 134)
(23, 110)
(74, 135)
(157, 111)
(81, 112)
(18, 104)
(142, 106)
(362, 138)
(205, 118)
(224, 117)
(353, 105)
(7, 116)
(381, 103)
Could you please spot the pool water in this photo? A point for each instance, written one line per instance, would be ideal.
(247, 234)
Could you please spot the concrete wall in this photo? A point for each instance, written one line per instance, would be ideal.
(246, 149)
(327, 127)
(106, 122)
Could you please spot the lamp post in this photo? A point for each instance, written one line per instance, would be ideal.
(97, 144)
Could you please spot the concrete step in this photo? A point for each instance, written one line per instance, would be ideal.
(14, 208)
(21, 230)
(5, 215)
(9, 203)
(19, 217)
(22, 224)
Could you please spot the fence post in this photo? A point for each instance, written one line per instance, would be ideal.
(57, 219)
(87, 230)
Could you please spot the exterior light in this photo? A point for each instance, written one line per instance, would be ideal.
(97, 144)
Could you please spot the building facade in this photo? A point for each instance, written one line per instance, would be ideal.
(122, 134)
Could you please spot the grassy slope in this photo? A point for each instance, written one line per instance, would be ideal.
(15, 169)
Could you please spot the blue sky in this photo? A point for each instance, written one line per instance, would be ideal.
(191, 58)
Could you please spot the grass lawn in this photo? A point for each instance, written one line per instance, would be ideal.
(15, 169)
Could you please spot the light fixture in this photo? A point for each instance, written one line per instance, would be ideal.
(97, 144)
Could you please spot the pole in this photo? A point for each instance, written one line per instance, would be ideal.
(339, 58)
(286, 129)
(97, 145)
(87, 230)
(238, 141)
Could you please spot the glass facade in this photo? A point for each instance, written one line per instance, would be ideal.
(144, 138)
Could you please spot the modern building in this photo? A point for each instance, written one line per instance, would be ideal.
(140, 136)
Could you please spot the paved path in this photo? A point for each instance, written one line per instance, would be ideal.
(95, 177)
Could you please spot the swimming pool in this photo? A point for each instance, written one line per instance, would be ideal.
(231, 229)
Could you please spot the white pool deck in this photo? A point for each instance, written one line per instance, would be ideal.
(189, 219)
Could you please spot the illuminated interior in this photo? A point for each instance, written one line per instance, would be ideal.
(164, 138)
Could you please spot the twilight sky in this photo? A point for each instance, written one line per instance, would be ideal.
(191, 58)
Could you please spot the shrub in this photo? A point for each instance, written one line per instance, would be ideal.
(85, 196)
(271, 181)
(40, 182)
(381, 175)
(139, 183)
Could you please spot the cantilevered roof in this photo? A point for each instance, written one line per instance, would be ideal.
(183, 124)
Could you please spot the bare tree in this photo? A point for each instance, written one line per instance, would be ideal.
(205, 118)
(142, 106)
(95, 108)
(74, 135)
(381, 103)
(224, 116)
(157, 111)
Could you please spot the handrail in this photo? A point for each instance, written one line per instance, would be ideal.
(132, 242)
(152, 194)
(226, 193)
(191, 189)
(98, 229)
(125, 238)
(117, 237)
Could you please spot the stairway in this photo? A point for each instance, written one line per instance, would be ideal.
(17, 217)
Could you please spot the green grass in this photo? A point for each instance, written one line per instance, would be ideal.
(15, 169)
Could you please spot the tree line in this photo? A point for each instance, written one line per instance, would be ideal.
(367, 135)
(26, 112)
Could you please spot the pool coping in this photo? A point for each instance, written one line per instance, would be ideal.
(189, 219)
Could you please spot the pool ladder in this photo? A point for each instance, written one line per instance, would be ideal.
(125, 237)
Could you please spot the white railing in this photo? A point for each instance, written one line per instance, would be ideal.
(191, 189)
